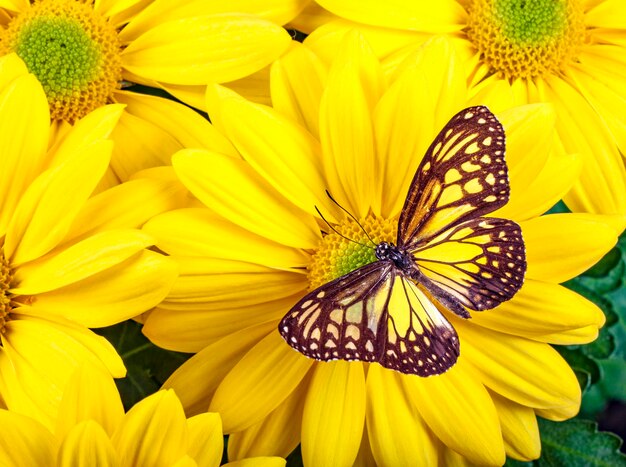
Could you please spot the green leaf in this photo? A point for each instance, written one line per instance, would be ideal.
(558, 208)
(147, 365)
(295, 458)
(578, 443)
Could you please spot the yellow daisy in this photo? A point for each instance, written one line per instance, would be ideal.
(257, 248)
(92, 429)
(69, 261)
(570, 53)
(84, 52)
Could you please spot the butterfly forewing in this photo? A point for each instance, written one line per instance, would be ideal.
(462, 175)
(481, 262)
(373, 314)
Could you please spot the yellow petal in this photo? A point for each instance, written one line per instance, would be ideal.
(94, 127)
(605, 94)
(541, 308)
(561, 246)
(128, 205)
(90, 394)
(227, 284)
(529, 373)
(325, 41)
(334, 414)
(255, 87)
(519, 429)
(189, 128)
(80, 261)
(529, 133)
(24, 122)
(602, 184)
(234, 190)
(420, 15)
(454, 404)
(25, 441)
(206, 443)
(197, 50)
(293, 96)
(354, 86)
(312, 17)
(409, 116)
(48, 208)
(193, 328)
(571, 336)
(196, 380)
(276, 11)
(11, 67)
(283, 153)
(398, 434)
(200, 232)
(259, 383)
(277, 434)
(605, 14)
(542, 192)
(113, 295)
(190, 95)
(153, 432)
(139, 145)
(43, 355)
(85, 445)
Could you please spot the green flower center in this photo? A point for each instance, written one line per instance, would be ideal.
(74, 53)
(526, 38)
(6, 276)
(60, 53)
(336, 256)
(530, 21)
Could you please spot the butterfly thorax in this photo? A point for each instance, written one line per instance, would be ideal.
(388, 251)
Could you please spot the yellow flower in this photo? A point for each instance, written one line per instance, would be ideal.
(69, 261)
(92, 429)
(82, 52)
(257, 248)
(571, 53)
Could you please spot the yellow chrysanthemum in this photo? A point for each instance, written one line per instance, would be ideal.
(70, 261)
(83, 52)
(258, 248)
(93, 430)
(571, 53)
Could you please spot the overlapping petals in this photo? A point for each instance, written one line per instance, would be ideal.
(344, 411)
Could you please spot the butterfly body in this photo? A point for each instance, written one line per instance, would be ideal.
(447, 255)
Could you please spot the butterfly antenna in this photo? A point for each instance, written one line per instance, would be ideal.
(335, 230)
(351, 216)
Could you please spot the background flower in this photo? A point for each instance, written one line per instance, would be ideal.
(248, 259)
(70, 261)
(569, 53)
(92, 429)
(83, 53)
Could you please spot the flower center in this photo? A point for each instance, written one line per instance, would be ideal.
(337, 256)
(74, 53)
(526, 38)
(5, 297)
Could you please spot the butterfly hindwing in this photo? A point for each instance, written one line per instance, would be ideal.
(373, 314)
(462, 175)
(481, 262)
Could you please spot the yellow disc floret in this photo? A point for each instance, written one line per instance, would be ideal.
(337, 256)
(74, 53)
(526, 38)
(6, 277)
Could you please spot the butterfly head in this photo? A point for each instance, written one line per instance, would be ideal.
(388, 251)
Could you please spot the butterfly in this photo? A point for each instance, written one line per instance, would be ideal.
(447, 255)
